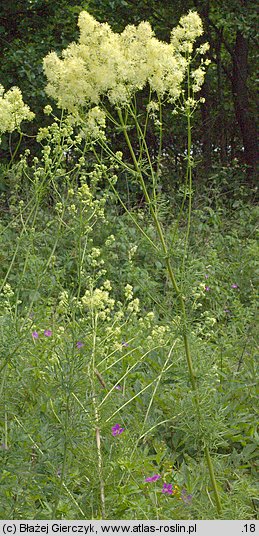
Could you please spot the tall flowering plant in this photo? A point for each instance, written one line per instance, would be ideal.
(97, 81)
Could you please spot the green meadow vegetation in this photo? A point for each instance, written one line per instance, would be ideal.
(128, 296)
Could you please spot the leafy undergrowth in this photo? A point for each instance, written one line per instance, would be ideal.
(92, 352)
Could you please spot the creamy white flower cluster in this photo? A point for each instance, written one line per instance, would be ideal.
(188, 29)
(13, 110)
(117, 65)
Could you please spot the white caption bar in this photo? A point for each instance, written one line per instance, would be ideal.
(99, 528)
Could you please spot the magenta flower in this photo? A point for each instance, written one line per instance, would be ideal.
(35, 334)
(47, 333)
(186, 498)
(234, 285)
(79, 344)
(167, 488)
(125, 343)
(118, 387)
(117, 430)
(207, 288)
(153, 478)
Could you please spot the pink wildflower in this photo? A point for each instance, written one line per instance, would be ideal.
(117, 430)
(47, 333)
(153, 478)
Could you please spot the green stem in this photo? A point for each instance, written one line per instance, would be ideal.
(188, 182)
(175, 285)
(13, 154)
(64, 460)
(93, 374)
(213, 479)
(165, 254)
(124, 206)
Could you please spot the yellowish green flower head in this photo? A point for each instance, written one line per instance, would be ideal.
(13, 110)
(187, 31)
(104, 63)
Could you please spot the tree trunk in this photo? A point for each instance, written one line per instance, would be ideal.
(221, 116)
(206, 118)
(206, 129)
(244, 117)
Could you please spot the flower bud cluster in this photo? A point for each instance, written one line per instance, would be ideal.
(98, 301)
